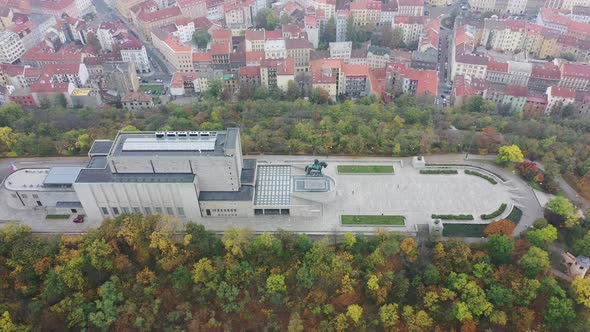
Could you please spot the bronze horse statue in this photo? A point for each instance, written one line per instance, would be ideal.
(315, 169)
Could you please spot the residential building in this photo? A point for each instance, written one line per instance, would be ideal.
(187, 83)
(520, 72)
(299, 50)
(582, 103)
(77, 74)
(275, 49)
(341, 21)
(558, 97)
(340, 50)
(192, 8)
(276, 73)
(535, 106)
(425, 60)
(147, 18)
(119, 77)
(249, 77)
(364, 12)
(132, 50)
(378, 57)
(327, 6)
(544, 76)
(403, 79)
(137, 101)
(82, 97)
(46, 93)
(177, 54)
(326, 74)
(471, 65)
(11, 47)
(410, 7)
(124, 6)
(255, 40)
(575, 76)
(357, 82)
(464, 88)
(106, 32)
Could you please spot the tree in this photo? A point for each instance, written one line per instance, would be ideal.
(295, 323)
(266, 19)
(275, 283)
(215, 89)
(329, 33)
(201, 38)
(354, 312)
(389, 315)
(431, 275)
(500, 248)
(558, 312)
(60, 100)
(129, 128)
(560, 211)
(535, 261)
(528, 170)
(508, 154)
(319, 96)
(500, 227)
(236, 240)
(581, 290)
(106, 311)
(542, 237)
(348, 240)
(568, 56)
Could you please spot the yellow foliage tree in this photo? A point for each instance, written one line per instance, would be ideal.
(581, 289)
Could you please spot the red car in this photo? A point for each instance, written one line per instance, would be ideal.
(79, 219)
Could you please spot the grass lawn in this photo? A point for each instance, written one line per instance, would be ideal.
(57, 216)
(515, 215)
(464, 230)
(365, 169)
(157, 89)
(373, 220)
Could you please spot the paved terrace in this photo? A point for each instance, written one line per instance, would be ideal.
(407, 192)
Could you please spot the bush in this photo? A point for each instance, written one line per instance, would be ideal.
(452, 216)
(540, 223)
(528, 170)
(438, 171)
(483, 176)
(496, 213)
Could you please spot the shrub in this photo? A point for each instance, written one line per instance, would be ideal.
(483, 176)
(438, 171)
(452, 216)
(496, 213)
(528, 170)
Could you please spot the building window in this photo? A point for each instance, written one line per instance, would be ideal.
(147, 210)
(170, 211)
(158, 209)
(180, 211)
(125, 210)
(35, 196)
(136, 210)
(116, 211)
(105, 211)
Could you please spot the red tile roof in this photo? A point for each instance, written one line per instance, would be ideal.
(254, 56)
(52, 5)
(576, 70)
(366, 5)
(411, 2)
(203, 23)
(355, 70)
(179, 78)
(286, 66)
(188, 3)
(579, 27)
(201, 56)
(562, 92)
(545, 71)
(61, 69)
(516, 91)
(159, 15)
(273, 34)
(250, 71)
(12, 70)
(254, 34)
(220, 48)
(42, 87)
(221, 34)
(136, 97)
(498, 66)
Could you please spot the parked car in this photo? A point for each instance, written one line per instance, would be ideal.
(159, 81)
(79, 219)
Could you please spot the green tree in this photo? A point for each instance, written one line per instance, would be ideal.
(215, 89)
(389, 315)
(559, 211)
(581, 290)
(535, 261)
(319, 96)
(129, 128)
(542, 237)
(500, 248)
(107, 310)
(201, 38)
(266, 19)
(509, 154)
(355, 313)
(558, 312)
(275, 283)
(60, 100)
(431, 275)
(98, 253)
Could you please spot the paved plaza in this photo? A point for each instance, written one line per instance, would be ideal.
(406, 192)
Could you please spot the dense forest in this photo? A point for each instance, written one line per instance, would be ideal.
(366, 126)
(135, 273)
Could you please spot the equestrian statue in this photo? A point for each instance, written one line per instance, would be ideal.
(315, 169)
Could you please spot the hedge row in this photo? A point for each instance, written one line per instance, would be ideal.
(483, 176)
(495, 213)
(438, 171)
(452, 216)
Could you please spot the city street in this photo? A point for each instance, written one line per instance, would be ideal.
(160, 67)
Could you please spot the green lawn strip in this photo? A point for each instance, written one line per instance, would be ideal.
(373, 220)
(452, 216)
(439, 171)
(463, 230)
(496, 213)
(57, 216)
(515, 215)
(365, 169)
(483, 176)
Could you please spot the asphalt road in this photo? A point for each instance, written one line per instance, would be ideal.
(161, 69)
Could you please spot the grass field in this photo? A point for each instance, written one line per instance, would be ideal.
(157, 89)
(464, 230)
(373, 220)
(365, 169)
(57, 216)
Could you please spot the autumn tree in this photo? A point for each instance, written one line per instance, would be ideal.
(535, 261)
(500, 227)
(508, 154)
(542, 237)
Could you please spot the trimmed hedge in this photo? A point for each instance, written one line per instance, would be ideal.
(483, 176)
(365, 169)
(57, 216)
(496, 213)
(373, 220)
(463, 230)
(515, 215)
(438, 171)
(452, 216)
